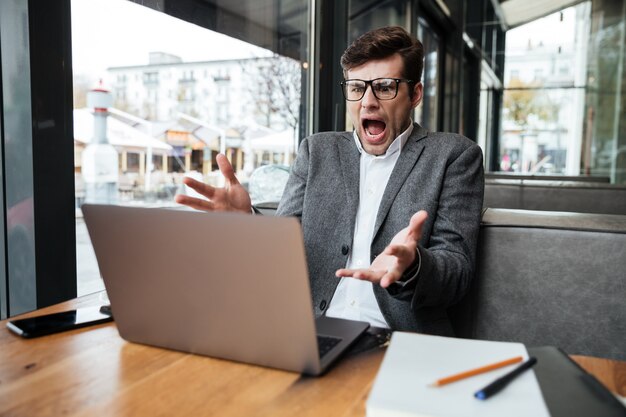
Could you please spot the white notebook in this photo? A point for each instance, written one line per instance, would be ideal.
(414, 361)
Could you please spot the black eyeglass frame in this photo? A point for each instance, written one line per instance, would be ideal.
(369, 82)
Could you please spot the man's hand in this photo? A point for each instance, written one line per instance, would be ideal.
(233, 197)
(389, 266)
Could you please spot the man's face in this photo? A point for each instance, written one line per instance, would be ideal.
(379, 122)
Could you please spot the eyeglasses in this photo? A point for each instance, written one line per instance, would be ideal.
(383, 88)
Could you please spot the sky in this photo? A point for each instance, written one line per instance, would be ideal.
(550, 30)
(108, 33)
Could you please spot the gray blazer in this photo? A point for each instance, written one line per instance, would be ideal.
(441, 173)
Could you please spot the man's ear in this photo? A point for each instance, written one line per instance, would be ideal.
(418, 91)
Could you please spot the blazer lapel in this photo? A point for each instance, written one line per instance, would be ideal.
(408, 158)
(349, 158)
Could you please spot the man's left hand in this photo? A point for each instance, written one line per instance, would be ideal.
(389, 266)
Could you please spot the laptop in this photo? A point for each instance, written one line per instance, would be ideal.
(229, 286)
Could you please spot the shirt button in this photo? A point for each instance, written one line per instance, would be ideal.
(323, 305)
(345, 249)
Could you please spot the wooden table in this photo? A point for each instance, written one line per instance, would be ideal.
(93, 372)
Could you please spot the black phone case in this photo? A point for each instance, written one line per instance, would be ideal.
(21, 327)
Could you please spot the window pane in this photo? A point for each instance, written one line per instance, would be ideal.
(543, 143)
(179, 93)
(543, 103)
(369, 14)
(427, 113)
(18, 164)
(604, 143)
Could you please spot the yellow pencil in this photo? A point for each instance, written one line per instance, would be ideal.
(472, 372)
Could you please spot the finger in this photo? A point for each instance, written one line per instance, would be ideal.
(405, 255)
(195, 203)
(226, 169)
(416, 224)
(389, 278)
(350, 273)
(343, 273)
(383, 277)
(398, 251)
(362, 274)
(200, 187)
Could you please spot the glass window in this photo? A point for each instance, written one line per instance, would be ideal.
(604, 141)
(18, 277)
(543, 109)
(427, 114)
(183, 92)
(365, 15)
(536, 137)
(485, 115)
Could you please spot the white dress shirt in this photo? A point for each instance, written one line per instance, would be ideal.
(354, 299)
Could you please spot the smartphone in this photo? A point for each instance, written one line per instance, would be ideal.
(60, 322)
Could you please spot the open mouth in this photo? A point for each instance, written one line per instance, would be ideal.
(374, 129)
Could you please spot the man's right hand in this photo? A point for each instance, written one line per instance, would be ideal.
(233, 197)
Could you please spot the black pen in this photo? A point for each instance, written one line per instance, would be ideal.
(497, 385)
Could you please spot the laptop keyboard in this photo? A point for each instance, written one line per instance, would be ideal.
(326, 343)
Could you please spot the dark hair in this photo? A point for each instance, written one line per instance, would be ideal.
(382, 43)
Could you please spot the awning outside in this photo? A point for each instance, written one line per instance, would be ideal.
(519, 12)
(119, 134)
(280, 142)
(216, 138)
(184, 139)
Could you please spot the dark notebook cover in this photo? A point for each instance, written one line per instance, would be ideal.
(569, 391)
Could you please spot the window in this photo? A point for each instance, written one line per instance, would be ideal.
(427, 114)
(243, 96)
(367, 14)
(150, 78)
(543, 109)
(17, 161)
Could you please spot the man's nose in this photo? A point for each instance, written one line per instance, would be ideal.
(369, 99)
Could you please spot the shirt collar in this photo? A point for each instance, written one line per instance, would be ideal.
(397, 144)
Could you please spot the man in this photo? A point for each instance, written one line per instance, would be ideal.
(390, 212)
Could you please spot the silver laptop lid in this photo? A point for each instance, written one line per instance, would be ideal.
(231, 286)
